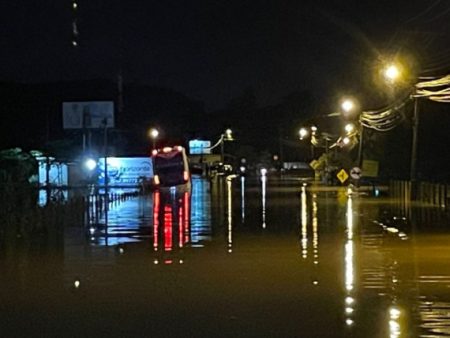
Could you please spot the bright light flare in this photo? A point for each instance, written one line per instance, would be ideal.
(347, 105)
(228, 135)
(154, 133)
(90, 164)
(349, 128)
(303, 132)
(392, 73)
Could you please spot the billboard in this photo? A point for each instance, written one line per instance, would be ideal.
(199, 147)
(125, 171)
(89, 114)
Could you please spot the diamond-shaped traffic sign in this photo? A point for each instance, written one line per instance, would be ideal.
(342, 176)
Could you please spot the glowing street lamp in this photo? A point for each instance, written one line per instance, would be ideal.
(303, 132)
(226, 136)
(153, 133)
(347, 105)
(392, 73)
(349, 128)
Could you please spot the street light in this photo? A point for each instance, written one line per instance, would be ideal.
(347, 105)
(392, 73)
(303, 132)
(226, 136)
(153, 133)
(349, 128)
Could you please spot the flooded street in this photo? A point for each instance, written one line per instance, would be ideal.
(237, 258)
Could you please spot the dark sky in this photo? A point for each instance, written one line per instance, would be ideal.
(212, 50)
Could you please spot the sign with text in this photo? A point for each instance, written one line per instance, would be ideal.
(89, 114)
(370, 168)
(125, 171)
(199, 147)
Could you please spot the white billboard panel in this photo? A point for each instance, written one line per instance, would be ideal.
(199, 147)
(125, 171)
(89, 114)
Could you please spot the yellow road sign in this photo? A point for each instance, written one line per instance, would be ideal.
(342, 176)
(314, 164)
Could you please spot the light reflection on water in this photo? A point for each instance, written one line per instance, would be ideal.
(369, 281)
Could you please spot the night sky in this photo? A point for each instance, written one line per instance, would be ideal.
(213, 50)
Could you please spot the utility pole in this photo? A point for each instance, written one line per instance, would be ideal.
(415, 132)
(360, 146)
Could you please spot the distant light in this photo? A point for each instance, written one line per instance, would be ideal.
(349, 322)
(75, 5)
(121, 251)
(346, 140)
(74, 43)
(263, 171)
(349, 127)
(76, 284)
(392, 73)
(303, 133)
(347, 105)
(349, 300)
(314, 128)
(154, 152)
(154, 133)
(90, 164)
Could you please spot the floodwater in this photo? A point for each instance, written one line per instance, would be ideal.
(237, 258)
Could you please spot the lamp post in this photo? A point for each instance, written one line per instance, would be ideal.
(226, 136)
(153, 133)
(348, 107)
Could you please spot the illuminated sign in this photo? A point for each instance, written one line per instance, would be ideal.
(125, 171)
(199, 147)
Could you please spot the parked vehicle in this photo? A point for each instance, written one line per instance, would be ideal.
(171, 168)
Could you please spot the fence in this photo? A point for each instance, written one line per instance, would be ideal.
(432, 194)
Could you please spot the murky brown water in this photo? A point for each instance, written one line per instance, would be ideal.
(269, 260)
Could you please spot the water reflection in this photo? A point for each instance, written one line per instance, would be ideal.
(349, 265)
(243, 199)
(171, 216)
(263, 199)
(374, 281)
(304, 223)
(200, 212)
(229, 216)
(315, 229)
